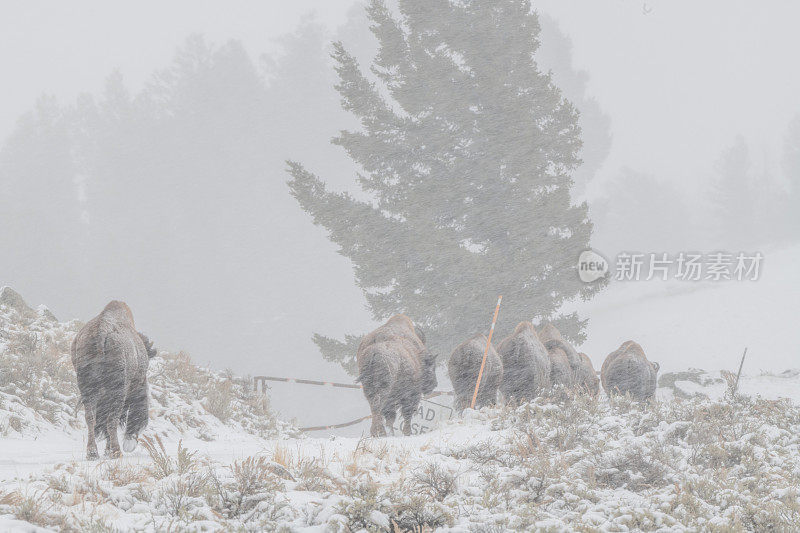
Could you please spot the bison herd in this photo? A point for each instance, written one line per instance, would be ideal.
(396, 369)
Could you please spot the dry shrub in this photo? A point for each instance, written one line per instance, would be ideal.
(93, 525)
(362, 500)
(314, 477)
(121, 473)
(34, 508)
(282, 455)
(484, 453)
(251, 484)
(416, 512)
(37, 373)
(179, 367)
(184, 492)
(219, 398)
(10, 498)
(436, 481)
(630, 468)
(164, 465)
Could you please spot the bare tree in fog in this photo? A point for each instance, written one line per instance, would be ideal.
(467, 149)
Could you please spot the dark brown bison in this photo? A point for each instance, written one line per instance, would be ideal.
(526, 365)
(111, 359)
(463, 368)
(395, 370)
(588, 379)
(627, 371)
(561, 372)
(582, 373)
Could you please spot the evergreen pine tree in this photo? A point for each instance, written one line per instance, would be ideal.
(467, 149)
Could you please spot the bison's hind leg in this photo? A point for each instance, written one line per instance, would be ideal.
(461, 403)
(91, 444)
(408, 408)
(485, 398)
(389, 416)
(377, 429)
(376, 408)
(110, 409)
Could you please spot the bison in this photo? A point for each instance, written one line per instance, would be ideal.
(627, 371)
(526, 365)
(561, 372)
(111, 359)
(581, 374)
(463, 368)
(587, 378)
(395, 370)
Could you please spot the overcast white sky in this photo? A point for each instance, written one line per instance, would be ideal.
(682, 81)
(679, 82)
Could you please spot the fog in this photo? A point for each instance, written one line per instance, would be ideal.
(144, 156)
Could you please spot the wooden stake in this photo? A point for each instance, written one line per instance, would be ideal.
(485, 353)
(739, 374)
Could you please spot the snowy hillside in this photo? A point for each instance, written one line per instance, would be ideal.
(38, 391)
(215, 458)
(39, 396)
(557, 464)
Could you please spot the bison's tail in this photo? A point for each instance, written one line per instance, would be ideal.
(135, 416)
(110, 402)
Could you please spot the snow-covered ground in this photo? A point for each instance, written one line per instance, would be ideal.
(561, 463)
(695, 459)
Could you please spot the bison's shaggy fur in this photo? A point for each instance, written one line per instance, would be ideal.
(586, 377)
(563, 359)
(463, 368)
(627, 371)
(111, 359)
(526, 365)
(582, 374)
(549, 332)
(395, 370)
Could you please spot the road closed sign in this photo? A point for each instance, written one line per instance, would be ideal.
(427, 417)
